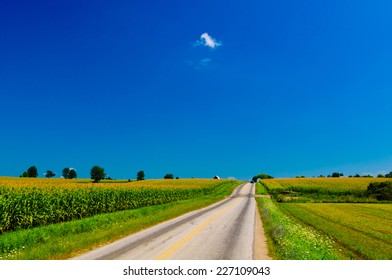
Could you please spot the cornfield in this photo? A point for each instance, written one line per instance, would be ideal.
(26, 203)
(331, 185)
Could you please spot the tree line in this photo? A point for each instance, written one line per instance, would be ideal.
(97, 174)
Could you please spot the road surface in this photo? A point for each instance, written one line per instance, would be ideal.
(222, 231)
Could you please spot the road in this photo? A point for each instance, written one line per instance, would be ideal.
(222, 231)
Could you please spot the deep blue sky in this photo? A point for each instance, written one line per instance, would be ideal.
(290, 88)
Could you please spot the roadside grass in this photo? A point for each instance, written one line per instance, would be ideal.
(68, 239)
(365, 229)
(260, 189)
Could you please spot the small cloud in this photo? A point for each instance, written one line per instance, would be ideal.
(204, 62)
(199, 64)
(208, 41)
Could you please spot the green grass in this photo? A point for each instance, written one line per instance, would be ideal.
(364, 229)
(68, 239)
(260, 189)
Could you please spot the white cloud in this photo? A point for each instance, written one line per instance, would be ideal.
(208, 41)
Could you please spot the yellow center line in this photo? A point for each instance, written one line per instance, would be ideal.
(166, 254)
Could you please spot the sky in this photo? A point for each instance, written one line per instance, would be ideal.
(196, 88)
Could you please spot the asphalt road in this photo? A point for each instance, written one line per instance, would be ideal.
(222, 231)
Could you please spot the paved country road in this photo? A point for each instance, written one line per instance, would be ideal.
(222, 231)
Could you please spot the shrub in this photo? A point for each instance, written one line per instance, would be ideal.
(381, 190)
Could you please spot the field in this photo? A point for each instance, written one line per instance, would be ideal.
(321, 189)
(365, 230)
(26, 203)
(354, 230)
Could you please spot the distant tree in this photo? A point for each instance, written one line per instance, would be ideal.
(321, 176)
(389, 175)
(336, 175)
(367, 176)
(357, 176)
(341, 175)
(177, 178)
(380, 176)
(69, 173)
(49, 174)
(24, 174)
(97, 173)
(66, 172)
(261, 176)
(168, 176)
(32, 172)
(72, 174)
(140, 175)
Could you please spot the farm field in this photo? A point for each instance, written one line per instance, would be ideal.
(354, 230)
(321, 189)
(327, 184)
(26, 203)
(363, 229)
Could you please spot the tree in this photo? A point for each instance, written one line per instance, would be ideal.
(97, 173)
(66, 172)
(336, 175)
(49, 174)
(381, 190)
(72, 174)
(32, 172)
(140, 175)
(25, 174)
(69, 173)
(380, 176)
(261, 177)
(389, 175)
(168, 176)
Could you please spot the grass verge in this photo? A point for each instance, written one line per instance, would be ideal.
(65, 240)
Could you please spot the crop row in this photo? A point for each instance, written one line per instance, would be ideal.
(26, 207)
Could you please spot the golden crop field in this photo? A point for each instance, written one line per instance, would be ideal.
(80, 183)
(31, 202)
(332, 184)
